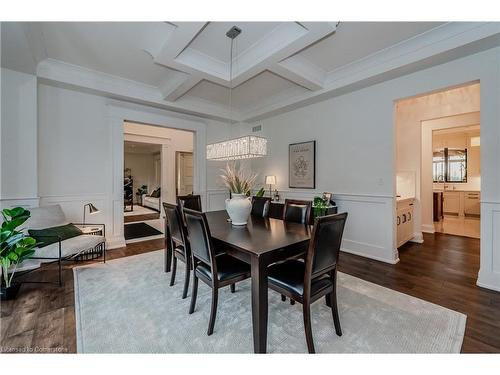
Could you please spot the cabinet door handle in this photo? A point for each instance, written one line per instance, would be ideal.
(399, 220)
(404, 218)
(409, 216)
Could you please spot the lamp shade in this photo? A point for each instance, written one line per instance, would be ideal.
(270, 180)
(92, 209)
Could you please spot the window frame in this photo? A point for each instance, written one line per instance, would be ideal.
(446, 163)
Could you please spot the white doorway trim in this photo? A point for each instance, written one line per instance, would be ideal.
(118, 113)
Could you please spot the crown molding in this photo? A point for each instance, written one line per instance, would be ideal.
(436, 46)
(433, 47)
(58, 73)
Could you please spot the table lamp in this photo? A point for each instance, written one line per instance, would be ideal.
(92, 210)
(270, 180)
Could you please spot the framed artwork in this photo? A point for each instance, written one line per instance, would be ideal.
(302, 165)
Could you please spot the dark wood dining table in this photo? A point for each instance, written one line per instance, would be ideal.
(261, 242)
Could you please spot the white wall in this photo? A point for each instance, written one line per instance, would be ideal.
(80, 153)
(18, 139)
(356, 154)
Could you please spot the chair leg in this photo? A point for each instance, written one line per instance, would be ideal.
(283, 297)
(186, 279)
(333, 302)
(307, 326)
(233, 288)
(194, 293)
(174, 269)
(60, 272)
(335, 313)
(213, 311)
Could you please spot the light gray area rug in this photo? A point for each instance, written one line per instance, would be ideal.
(127, 306)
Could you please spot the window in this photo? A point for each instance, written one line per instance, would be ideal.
(450, 165)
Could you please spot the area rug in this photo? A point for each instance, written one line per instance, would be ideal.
(127, 306)
(139, 230)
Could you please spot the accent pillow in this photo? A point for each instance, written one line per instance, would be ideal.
(49, 236)
(156, 193)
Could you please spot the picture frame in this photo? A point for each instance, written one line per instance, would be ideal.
(302, 165)
(327, 197)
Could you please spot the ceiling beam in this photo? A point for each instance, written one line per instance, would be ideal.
(300, 71)
(179, 89)
(180, 38)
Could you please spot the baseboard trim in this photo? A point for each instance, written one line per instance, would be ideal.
(370, 256)
(428, 228)
(115, 242)
(489, 280)
(418, 238)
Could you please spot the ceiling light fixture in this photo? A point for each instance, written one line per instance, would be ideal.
(239, 148)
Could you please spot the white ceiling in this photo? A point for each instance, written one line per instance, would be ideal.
(355, 40)
(185, 65)
(213, 41)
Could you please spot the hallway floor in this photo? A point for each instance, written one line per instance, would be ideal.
(459, 226)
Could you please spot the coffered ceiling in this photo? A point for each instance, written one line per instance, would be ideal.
(185, 66)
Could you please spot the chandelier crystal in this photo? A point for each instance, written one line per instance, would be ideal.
(246, 147)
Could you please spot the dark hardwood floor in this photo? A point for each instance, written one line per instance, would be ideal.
(442, 270)
(133, 218)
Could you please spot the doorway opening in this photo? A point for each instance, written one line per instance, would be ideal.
(437, 177)
(456, 176)
(158, 161)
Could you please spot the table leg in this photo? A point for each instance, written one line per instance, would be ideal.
(259, 304)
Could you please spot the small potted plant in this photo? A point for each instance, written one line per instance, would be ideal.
(320, 206)
(239, 183)
(16, 246)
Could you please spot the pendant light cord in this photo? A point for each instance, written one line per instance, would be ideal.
(231, 83)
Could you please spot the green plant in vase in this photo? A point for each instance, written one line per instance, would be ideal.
(15, 246)
(320, 206)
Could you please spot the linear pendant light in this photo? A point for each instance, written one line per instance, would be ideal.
(246, 147)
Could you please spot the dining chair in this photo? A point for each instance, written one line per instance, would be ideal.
(260, 206)
(297, 211)
(215, 271)
(192, 201)
(306, 282)
(178, 242)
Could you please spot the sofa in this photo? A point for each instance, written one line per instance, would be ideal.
(68, 249)
(152, 200)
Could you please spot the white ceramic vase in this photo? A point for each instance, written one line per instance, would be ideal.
(239, 208)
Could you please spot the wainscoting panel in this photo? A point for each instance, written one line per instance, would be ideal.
(19, 202)
(72, 207)
(489, 273)
(367, 231)
(216, 199)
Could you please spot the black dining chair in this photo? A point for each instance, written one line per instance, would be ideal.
(306, 282)
(260, 206)
(192, 201)
(297, 211)
(215, 271)
(178, 242)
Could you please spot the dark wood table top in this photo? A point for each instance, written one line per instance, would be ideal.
(259, 236)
